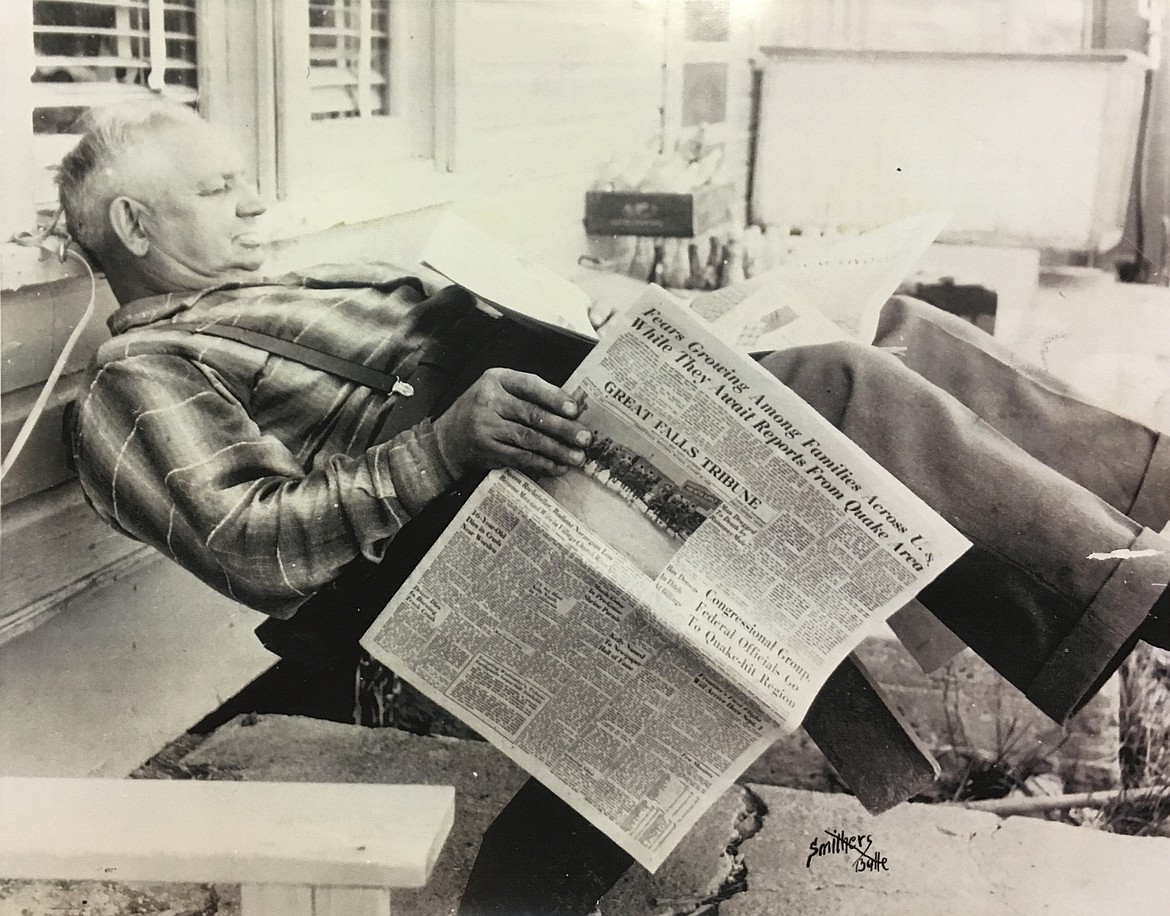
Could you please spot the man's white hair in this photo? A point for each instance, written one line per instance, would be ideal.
(84, 182)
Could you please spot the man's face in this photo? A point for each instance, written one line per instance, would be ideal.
(197, 209)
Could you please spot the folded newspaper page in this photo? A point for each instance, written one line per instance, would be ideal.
(830, 292)
(636, 632)
(504, 278)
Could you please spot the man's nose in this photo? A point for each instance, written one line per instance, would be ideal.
(250, 203)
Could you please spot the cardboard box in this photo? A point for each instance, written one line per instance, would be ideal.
(664, 215)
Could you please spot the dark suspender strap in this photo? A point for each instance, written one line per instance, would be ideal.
(310, 356)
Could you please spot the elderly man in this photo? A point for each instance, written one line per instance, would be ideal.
(302, 491)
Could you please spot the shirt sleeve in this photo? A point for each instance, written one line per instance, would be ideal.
(169, 455)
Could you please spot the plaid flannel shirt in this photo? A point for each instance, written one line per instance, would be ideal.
(262, 476)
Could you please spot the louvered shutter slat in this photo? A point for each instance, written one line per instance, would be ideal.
(347, 41)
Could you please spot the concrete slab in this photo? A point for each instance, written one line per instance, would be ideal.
(749, 856)
(705, 867)
(934, 859)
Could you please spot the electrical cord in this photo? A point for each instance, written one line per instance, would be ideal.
(58, 368)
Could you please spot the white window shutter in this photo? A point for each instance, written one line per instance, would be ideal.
(349, 49)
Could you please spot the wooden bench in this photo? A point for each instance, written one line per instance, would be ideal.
(296, 849)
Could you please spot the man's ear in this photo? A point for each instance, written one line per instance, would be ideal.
(126, 222)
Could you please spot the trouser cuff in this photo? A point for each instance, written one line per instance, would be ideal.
(1095, 647)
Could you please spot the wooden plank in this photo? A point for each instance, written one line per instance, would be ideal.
(55, 547)
(45, 607)
(230, 832)
(305, 900)
(43, 462)
(36, 321)
(872, 748)
(133, 664)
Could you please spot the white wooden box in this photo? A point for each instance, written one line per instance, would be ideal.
(1032, 150)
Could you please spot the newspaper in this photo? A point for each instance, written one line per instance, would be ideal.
(829, 292)
(636, 632)
(502, 277)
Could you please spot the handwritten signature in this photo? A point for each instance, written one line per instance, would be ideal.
(846, 844)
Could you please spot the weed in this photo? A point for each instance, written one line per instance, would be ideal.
(1145, 744)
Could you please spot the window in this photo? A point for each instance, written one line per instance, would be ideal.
(349, 58)
(90, 53)
(59, 58)
(358, 78)
(703, 49)
(707, 20)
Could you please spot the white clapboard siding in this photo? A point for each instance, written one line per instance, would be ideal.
(36, 321)
(496, 157)
(43, 459)
(533, 219)
(556, 94)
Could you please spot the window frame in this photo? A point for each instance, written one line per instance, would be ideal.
(135, 59)
(356, 169)
(17, 208)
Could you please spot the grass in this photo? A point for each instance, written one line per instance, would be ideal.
(1143, 754)
(976, 775)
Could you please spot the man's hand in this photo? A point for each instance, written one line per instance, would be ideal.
(512, 419)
